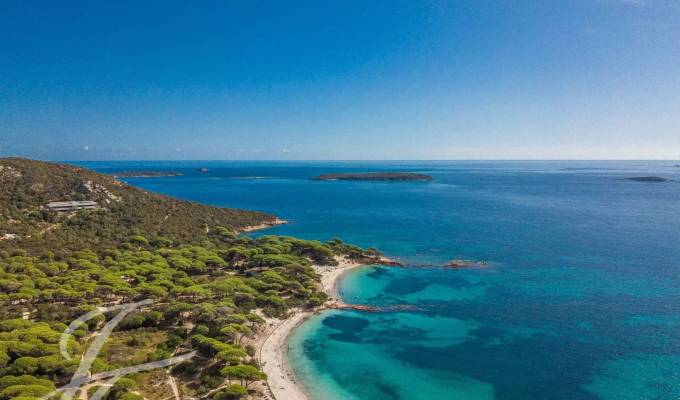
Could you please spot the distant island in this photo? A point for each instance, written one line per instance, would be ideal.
(145, 174)
(374, 176)
(647, 179)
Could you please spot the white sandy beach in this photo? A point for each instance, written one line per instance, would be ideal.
(282, 382)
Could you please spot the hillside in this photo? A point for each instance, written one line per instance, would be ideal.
(26, 186)
(206, 292)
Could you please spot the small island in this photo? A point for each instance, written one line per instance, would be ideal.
(374, 176)
(647, 179)
(145, 174)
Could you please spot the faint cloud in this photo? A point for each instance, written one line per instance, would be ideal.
(593, 32)
(651, 24)
(636, 3)
(628, 27)
(284, 150)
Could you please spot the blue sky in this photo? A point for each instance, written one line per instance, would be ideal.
(579, 79)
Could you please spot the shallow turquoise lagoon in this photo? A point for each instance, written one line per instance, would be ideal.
(581, 298)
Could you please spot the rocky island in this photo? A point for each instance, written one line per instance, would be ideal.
(145, 174)
(647, 179)
(374, 176)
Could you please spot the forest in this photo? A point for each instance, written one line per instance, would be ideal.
(211, 292)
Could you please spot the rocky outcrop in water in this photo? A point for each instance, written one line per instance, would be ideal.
(465, 264)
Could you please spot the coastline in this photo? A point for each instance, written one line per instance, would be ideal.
(282, 384)
(264, 225)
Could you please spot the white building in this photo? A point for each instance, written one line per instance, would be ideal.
(71, 205)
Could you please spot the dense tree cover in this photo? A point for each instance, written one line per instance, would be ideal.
(273, 273)
(231, 392)
(210, 286)
(126, 214)
(30, 360)
(246, 374)
(205, 296)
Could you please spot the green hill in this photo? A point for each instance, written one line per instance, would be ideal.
(27, 186)
(210, 286)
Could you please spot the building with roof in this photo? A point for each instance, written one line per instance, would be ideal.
(71, 205)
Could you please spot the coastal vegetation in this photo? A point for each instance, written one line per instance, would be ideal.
(211, 287)
(26, 186)
(374, 176)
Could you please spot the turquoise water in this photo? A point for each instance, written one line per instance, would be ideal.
(581, 298)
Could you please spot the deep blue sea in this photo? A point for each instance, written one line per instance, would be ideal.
(580, 300)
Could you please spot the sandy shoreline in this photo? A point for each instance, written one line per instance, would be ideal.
(272, 351)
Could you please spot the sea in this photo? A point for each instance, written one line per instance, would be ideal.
(579, 298)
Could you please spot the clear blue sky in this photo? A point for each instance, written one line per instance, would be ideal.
(593, 79)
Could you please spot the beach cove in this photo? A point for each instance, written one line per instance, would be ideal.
(282, 384)
(579, 299)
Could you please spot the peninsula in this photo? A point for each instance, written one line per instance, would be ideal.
(374, 176)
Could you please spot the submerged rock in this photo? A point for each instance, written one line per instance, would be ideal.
(337, 305)
(465, 264)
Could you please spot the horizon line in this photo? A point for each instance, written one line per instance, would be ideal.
(378, 160)
(352, 160)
